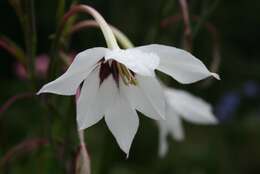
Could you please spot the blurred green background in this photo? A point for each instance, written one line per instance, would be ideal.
(50, 136)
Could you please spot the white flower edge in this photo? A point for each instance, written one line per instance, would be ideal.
(182, 105)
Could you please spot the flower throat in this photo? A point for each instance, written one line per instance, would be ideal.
(116, 69)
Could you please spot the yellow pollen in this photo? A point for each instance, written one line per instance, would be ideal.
(126, 75)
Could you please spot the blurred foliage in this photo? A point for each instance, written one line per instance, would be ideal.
(230, 147)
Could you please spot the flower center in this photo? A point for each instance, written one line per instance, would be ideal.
(116, 69)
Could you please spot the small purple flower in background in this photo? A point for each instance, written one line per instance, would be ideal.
(227, 106)
(42, 64)
(251, 89)
(41, 67)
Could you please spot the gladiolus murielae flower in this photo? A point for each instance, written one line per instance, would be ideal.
(182, 105)
(117, 82)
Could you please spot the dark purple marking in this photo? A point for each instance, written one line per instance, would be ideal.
(106, 70)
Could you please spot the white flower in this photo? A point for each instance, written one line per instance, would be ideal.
(182, 105)
(118, 82)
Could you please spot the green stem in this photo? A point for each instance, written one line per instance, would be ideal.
(25, 12)
(60, 10)
(30, 38)
(123, 40)
(107, 32)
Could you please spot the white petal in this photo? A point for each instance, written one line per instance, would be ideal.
(94, 99)
(191, 108)
(123, 122)
(174, 124)
(153, 91)
(171, 125)
(149, 101)
(163, 144)
(179, 64)
(139, 62)
(81, 66)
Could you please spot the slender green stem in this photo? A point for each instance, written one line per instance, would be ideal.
(107, 32)
(25, 12)
(30, 38)
(60, 10)
(123, 40)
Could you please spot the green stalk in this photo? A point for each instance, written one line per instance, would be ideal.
(122, 39)
(26, 15)
(30, 38)
(106, 30)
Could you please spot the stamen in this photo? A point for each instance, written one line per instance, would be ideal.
(116, 69)
(121, 73)
(127, 76)
(131, 79)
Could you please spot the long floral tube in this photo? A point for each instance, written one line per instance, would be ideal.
(120, 36)
(107, 32)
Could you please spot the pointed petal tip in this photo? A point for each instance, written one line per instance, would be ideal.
(40, 91)
(80, 128)
(127, 156)
(162, 152)
(179, 138)
(80, 125)
(215, 121)
(216, 76)
(161, 155)
(126, 152)
(212, 120)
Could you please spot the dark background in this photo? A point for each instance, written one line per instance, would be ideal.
(231, 147)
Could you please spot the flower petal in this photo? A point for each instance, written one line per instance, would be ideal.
(152, 89)
(171, 125)
(179, 64)
(191, 108)
(163, 144)
(94, 99)
(123, 122)
(149, 101)
(80, 68)
(174, 124)
(139, 62)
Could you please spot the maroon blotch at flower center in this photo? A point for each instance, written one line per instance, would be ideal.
(107, 68)
(111, 68)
